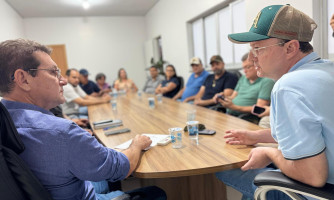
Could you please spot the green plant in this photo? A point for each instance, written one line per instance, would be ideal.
(159, 64)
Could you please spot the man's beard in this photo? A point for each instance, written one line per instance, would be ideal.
(218, 72)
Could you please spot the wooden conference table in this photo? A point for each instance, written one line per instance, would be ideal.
(185, 173)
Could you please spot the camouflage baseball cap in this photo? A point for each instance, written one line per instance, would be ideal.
(278, 21)
(216, 58)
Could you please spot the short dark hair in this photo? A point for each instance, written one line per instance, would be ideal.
(155, 67)
(18, 54)
(244, 57)
(304, 47)
(68, 72)
(99, 76)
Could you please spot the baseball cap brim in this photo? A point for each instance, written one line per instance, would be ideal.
(246, 37)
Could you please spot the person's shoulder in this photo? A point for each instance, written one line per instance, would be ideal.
(68, 88)
(205, 73)
(91, 82)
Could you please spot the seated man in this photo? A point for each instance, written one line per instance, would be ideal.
(87, 85)
(77, 99)
(63, 157)
(219, 81)
(153, 81)
(301, 112)
(250, 90)
(194, 83)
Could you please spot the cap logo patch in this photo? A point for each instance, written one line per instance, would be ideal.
(256, 20)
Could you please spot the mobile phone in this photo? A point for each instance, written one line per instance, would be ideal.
(258, 110)
(206, 132)
(221, 97)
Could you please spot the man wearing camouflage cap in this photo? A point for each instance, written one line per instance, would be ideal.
(301, 103)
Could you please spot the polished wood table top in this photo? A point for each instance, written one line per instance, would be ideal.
(211, 155)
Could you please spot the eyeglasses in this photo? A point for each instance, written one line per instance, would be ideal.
(56, 72)
(255, 51)
(248, 67)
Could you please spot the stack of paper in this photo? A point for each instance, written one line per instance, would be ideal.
(107, 123)
(154, 137)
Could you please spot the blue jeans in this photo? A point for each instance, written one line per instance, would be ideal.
(148, 193)
(243, 182)
(82, 113)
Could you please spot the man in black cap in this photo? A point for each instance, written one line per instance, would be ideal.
(219, 81)
(87, 85)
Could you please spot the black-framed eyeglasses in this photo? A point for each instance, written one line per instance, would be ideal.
(56, 72)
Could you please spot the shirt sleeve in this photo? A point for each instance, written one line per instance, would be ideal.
(81, 92)
(176, 81)
(231, 81)
(238, 84)
(266, 87)
(89, 160)
(69, 93)
(95, 87)
(296, 127)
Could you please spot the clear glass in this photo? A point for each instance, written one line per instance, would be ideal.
(151, 102)
(193, 131)
(114, 104)
(191, 115)
(176, 137)
(159, 98)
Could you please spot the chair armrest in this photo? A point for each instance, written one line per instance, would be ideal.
(278, 179)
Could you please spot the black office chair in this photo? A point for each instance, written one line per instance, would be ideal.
(17, 181)
(274, 180)
(180, 78)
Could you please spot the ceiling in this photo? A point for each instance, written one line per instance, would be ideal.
(73, 8)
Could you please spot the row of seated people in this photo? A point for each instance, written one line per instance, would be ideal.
(201, 89)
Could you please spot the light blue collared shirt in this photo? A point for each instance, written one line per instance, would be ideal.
(302, 110)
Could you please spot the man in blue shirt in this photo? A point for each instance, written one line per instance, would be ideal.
(194, 83)
(301, 109)
(64, 157)
(87, 85)
(220, 81)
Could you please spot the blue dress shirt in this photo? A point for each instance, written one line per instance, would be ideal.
(63, 156)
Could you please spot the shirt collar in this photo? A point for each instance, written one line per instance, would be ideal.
(309, 58)
(19, 105)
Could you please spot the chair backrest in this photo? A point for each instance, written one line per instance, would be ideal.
(17, 181)
(235, 72)
(180, 78)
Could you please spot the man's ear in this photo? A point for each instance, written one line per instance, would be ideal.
(292, 48)
(22, 79)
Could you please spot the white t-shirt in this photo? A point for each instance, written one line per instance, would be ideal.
(71, 93)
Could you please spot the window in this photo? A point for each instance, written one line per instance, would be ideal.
(210, 34)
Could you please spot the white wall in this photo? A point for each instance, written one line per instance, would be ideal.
(168, 18)
(99, 44)
(11, 23)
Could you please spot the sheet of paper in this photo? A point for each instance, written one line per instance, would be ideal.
(154, 137)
